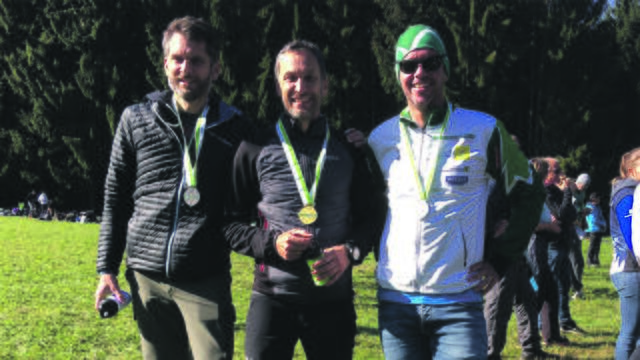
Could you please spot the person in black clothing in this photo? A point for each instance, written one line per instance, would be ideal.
(546, 298)
(310, 193)
(32, 203)
(513, 293)
(165, 197)
(559, 198)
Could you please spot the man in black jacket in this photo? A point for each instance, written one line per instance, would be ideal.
(310, 194)
(164, 202)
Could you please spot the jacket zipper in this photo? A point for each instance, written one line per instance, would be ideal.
(172, 233)
(418, 225)
(174, 227)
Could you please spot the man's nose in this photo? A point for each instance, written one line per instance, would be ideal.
(420, 71)
(185, 67)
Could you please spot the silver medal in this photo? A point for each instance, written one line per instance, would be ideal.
(191, 196)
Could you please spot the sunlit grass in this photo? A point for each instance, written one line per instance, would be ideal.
(47, 281)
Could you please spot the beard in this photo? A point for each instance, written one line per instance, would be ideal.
(197, 90)
(305, 113)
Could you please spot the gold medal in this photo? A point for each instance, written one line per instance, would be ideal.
(308, 215)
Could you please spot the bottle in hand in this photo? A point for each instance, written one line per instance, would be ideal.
(315, 253)
(110, 306)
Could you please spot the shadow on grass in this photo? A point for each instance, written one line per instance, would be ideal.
(367, 330)
(606, 292)
(367, 305)
(589, 346)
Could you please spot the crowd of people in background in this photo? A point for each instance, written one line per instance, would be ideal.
(39, 206)
(35, 205)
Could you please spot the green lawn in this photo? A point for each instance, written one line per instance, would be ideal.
(47, 281)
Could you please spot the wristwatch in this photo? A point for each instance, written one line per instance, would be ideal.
(353, 252)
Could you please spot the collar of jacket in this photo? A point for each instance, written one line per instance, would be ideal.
(434, 118)
(316, 128)
(217, 112)
(619, 185)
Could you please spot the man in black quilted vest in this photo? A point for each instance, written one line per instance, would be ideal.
(164, 203)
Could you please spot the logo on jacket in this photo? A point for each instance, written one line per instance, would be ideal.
(457, 179)
(462, 152)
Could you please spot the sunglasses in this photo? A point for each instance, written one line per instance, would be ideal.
(429, 64)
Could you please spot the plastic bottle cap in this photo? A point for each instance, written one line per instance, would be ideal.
(108, 308)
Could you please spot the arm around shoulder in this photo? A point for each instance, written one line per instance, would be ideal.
(368, 203)
(243, 229)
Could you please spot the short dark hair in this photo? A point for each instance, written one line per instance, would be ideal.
(194, 29)
(594, 196)
(302, 45)
(540, 166)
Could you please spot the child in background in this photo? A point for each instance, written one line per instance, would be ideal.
(596, 226)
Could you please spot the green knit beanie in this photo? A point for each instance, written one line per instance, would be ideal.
(419, 37)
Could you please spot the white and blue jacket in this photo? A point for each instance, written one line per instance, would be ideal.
(429, 253)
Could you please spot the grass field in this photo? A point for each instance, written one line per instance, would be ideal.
(47, 281)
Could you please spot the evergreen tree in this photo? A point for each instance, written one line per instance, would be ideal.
(254, 32)
(620, 116)
(555, 72)
(66, 62)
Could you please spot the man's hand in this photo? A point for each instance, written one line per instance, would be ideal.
(484, 274)
(291, 244)
(500, 227)
(355, 137)
(332, 265)
(566, 183)
(108, 285)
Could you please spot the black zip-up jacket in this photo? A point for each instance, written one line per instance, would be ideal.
(265, 193)
(559, 202)
(144, 209)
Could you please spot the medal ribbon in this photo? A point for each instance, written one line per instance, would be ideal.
(308, 197)
(190, 169)
(423, 187)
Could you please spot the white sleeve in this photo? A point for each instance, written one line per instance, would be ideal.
(635, 222)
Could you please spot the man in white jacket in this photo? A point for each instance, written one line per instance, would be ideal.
(440, 163)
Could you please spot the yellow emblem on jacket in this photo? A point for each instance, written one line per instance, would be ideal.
(461, 152)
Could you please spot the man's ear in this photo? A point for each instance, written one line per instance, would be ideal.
(325, 86)
(216, 69)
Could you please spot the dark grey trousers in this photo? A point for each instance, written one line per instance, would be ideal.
(577, 261)
(514, 291)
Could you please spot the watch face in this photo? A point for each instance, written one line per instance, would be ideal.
(355, 253)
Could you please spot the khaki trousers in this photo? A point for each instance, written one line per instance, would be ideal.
(183, 320)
